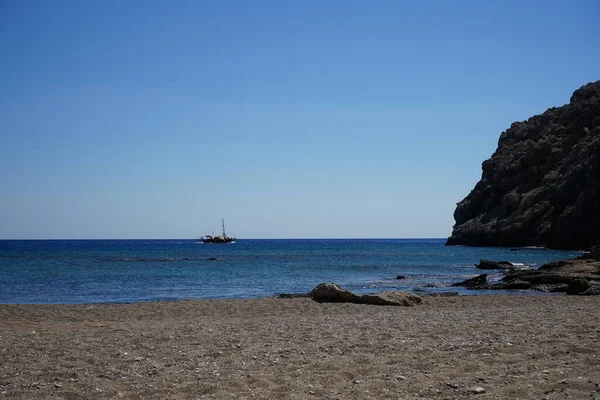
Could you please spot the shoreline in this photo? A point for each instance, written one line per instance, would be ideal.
(511, 346)
(425, 293)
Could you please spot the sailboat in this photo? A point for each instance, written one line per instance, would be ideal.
(218, 239)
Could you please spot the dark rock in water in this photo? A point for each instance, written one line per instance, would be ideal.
(541, 187)
(473, 283)
(486, 264)
(517, 285)
(400, 277)
(330, 292)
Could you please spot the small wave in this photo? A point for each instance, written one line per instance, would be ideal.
(522, 266)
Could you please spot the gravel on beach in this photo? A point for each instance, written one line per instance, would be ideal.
(484, 347)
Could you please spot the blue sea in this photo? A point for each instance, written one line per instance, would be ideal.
(114, 271)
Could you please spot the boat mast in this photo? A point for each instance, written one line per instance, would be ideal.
(223, 224)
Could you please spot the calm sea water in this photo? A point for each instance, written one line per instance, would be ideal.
(109, 271)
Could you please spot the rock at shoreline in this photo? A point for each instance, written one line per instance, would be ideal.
(502, 265)
(473, 283)
(584, 287)
(576, 276)
(332, 293)
(541, 187)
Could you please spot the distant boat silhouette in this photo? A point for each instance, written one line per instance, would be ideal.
(218, 239)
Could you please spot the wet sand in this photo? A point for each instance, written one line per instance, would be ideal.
(504, 347)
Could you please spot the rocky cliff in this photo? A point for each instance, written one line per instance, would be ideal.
(542, 185)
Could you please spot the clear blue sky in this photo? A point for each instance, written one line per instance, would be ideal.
(290, 119)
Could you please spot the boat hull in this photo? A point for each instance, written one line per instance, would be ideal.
(218, 240)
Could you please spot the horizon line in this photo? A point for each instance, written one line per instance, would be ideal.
(285, 238)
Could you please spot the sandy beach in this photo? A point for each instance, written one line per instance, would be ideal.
(488, 347)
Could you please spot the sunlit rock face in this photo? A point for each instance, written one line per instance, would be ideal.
(541, 187)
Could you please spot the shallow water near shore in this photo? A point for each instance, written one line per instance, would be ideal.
(113, 271)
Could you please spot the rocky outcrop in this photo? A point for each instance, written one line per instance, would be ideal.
(473, 283)
(501, 265)
(332, 293)
(542, 185)
(571, 276)
(577, 276)
(584, 287)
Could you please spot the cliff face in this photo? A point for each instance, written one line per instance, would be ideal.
(542, 185)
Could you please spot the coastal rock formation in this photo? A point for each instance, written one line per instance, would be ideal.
(473, 283)
(577, 276)
(572, 276)
(584, 287)
(330, 292)
(391, 298)
(541, 187)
